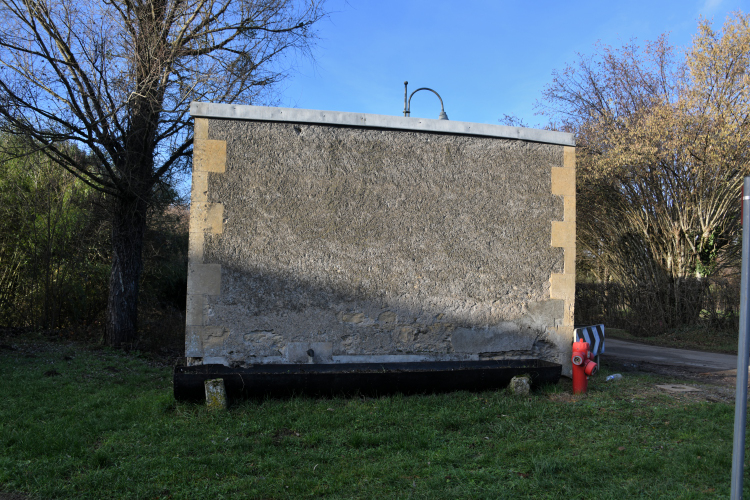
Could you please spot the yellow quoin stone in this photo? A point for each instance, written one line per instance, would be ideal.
(204, 280)
(206, 217)
(563, 235)
(210, 156)
(563, 181)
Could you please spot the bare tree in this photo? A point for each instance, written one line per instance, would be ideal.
(662, 151)
(116, 77)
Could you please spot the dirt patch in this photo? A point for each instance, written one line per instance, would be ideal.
(712, 386)
(13, 496)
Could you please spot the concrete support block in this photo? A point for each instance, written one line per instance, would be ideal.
(216, 394)
(503, 337)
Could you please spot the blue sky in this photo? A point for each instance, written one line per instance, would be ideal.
(485, 58)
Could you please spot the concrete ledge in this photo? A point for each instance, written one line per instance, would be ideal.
(270, 114)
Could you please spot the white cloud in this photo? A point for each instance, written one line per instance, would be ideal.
(710, 6)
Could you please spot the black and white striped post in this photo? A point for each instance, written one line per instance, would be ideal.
(743, 352)
(594, 335)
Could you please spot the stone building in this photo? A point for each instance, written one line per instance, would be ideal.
(329, 237)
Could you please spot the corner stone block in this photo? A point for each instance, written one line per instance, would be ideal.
(195, 247)
(204, 279)
(210, 156)
(194, 310)
(569, 319)
(207, 216)
(193, 342)
(569, 265)
(200, 131)
(562, 286)
(564, 181)
(569, 208)
(199, 189)
(563, 234)
(569, 157)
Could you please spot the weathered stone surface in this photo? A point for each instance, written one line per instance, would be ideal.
(542, 315)
(505, 336)
(379, 243)
(309, 352)
(263, 343)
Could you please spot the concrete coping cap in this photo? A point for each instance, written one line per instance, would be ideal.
(271, 114)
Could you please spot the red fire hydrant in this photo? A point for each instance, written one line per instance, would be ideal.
(583, 366)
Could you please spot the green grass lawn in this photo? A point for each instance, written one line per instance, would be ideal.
(83, 423)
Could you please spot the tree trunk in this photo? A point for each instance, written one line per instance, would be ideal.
(128, 227)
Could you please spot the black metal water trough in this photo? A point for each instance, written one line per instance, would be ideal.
(283, 380)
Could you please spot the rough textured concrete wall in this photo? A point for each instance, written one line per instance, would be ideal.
(317, 243)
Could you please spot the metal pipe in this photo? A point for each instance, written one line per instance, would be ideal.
(407, 103)
(442, 115)
(743, 353)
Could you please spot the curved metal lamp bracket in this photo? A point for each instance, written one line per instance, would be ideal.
(407, 102)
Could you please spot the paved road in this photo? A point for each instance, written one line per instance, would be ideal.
(631, 352)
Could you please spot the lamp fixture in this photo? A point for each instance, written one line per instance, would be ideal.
(407, 102)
